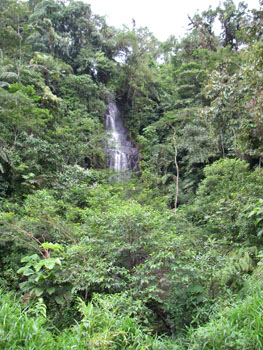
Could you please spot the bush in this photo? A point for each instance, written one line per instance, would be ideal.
(238, 326)
(18, 330)
(101, 327)
(225, 198)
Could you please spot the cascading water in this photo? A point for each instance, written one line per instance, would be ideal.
(123, 156)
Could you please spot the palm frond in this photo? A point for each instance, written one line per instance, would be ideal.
(4, 84)
(9, 76)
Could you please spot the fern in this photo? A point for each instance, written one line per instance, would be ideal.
(240, 262)
(39, 309)
(6, 75)
(9, 76)
(3, 156)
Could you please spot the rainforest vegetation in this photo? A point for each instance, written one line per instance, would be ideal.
(169, 258)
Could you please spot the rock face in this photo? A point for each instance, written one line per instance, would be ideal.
(123, 155)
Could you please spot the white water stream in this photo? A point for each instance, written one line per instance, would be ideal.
(123, 156)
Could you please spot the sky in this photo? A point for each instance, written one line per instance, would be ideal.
(162, 17)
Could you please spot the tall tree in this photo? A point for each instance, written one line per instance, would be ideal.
(232, 20)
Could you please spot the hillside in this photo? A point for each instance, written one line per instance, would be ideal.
(168, 256)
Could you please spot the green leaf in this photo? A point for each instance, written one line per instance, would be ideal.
(49, 263)
(67, 295)
(38, 266)
(21, 270)
(23, 285)
(55, 247)
(39, 277)
(38, 291)
(251, 213)
(59, 299)
(4, 156)
(32, 258)
(51, 290)
(28, 272)
(195, 288)
(258, 221)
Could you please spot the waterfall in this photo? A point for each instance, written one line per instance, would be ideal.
(123, 155)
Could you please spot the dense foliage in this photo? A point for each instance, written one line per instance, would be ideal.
(168, 258)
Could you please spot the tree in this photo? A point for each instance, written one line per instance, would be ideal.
(232, 19)
(138, 82)
(203, 27)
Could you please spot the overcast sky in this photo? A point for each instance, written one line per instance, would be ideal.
(162, 17)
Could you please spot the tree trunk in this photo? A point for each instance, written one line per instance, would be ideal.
(177, 173)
